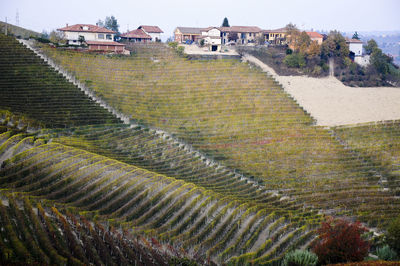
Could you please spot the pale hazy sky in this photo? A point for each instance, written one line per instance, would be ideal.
(343, 15)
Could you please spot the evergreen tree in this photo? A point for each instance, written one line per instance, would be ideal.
(355, 36)
(225, 23)
(111, 23)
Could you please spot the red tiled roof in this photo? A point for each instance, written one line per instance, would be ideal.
(151, 29)
(189, 30)
(105, 43)
(139, 33)
(353, 41)
(91, 28)
(314, 34)
(251, 29)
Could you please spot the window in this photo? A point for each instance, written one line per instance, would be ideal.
(243, 35)
(101, 36)
(109, 37)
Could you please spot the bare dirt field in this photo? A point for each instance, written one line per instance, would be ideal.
(331, 103)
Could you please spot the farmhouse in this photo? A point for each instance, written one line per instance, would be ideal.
(187, 34)
(277, 36)
(137, 35)
(212, 38)
(97, 38)
(240, 34)
(153, 31)
(315, 36)
(77, 33)
(355, 46)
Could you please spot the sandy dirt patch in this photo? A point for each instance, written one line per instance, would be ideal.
(331, 103)
(194, 49)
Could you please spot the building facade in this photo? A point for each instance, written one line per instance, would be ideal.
(78, 33)
(137, 35)
(153, 31)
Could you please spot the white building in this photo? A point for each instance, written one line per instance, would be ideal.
(86, 32)
(355, 46)
(153, 31)
(212, 38)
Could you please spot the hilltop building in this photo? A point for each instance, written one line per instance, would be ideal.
(277, 36)
(187, 34)
(315, 36)
(137, 35)
(240, 34)
(212, 38)
(356, 52)
(153, 31)
(97, 38)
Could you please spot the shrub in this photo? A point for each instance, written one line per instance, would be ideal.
(393, 235)
(386, 253)
(300, 258)
(180, 50)
(289, 51)
(295, 60)
(340, 241)
(173, 44)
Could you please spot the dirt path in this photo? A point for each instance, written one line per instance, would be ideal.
(331, 103)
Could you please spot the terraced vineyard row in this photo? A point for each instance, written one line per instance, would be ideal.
(380, 144)
(205, 223)
(235, 115)
(29, 86)
(35, 234)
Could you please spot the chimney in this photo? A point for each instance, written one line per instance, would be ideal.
(67, 24)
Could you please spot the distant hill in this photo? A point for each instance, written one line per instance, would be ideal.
(17, 31)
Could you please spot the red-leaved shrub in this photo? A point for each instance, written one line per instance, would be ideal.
(340, 241)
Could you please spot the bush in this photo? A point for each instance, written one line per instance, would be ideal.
(295, 60)
(289, 51)
(340, 241)
(300, 258)
(180, 50)
(173, 44)
(386, 253)
(393, 235)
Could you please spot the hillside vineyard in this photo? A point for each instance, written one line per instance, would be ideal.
(241, 177)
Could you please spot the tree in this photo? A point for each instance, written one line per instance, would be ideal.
(225, 23)
(295, 60)
(335, 46)
(393, 235)
(340, 241)
(355, 36)
(314, 50)
(100, 23)
(371, 46)
(57, 37)
(111, 23)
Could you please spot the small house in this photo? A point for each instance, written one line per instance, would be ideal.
(78, 33)
(97, 38)
(187, 34)
(355, 46)
(315, 36)
(277, 36)
(137, 35)
(153, 31)
(240, 34)
(212, 38)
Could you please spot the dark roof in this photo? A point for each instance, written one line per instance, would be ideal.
(190, 30)
(104, 43)
(249, 29)
(91, 28)
(151, 29)
(280, 30)
(139, 33)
